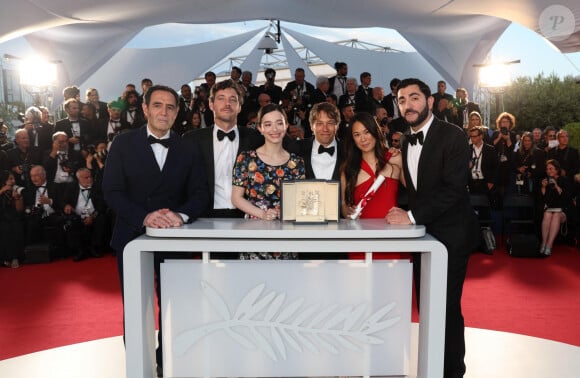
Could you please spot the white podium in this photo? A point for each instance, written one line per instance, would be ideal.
(226, 235)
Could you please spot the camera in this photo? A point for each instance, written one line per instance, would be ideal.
(71, 165)
(25, 168)
(384, 122)
(551, 181)
(91, 149)
(18, 189)
(101, 154)
(504, 130)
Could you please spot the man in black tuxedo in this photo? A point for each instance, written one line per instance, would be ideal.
(363, 97)
(270, 87)
(76, 128)
(440, 94)
(250, 103)
(41, 202)
(183, 120)
(83, 207)
(338, 83)
(435, 165)
(483, 164)
(299, 89)
(132, 116)
(92, 97)
(566, 155)
(61, 162)
(39, 131)
(463, 108)
(323, 154)
(22, 157)
(390, 100)
(220, 144)
(152, 178)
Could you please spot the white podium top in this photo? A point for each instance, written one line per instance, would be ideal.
(244, 228)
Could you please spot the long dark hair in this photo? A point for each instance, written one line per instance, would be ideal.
(353, 158)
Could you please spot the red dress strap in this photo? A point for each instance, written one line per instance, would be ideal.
(367, 168)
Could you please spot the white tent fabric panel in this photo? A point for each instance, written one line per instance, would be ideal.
(252, 62)
(172, 66)
(294, 61)
(383, 66)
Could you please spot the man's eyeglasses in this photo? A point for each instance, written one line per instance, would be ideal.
(552, 136)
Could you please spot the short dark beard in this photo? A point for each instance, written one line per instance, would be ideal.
(420, 119)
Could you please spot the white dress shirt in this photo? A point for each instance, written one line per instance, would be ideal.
(159, 150)
(413, 156)
(84, 206)
(323, 164)
(224, 155)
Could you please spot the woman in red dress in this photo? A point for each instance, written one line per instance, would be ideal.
(366, 160)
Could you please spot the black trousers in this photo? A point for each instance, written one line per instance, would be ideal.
(454, 365)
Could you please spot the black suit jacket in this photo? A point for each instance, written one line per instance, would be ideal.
(489, 163)
(70, 196)
(66, 126)
(16, 158)
(44, 132)
(202, 139)
(389, 104)
(52, 192)
(306, 153)
(292, 86)
(568, 159)
(103, 112)
(134, 186)
(138, 119)
(50, 164)
(441, 200)
(363, 100)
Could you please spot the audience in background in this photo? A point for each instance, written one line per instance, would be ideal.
(78, 144)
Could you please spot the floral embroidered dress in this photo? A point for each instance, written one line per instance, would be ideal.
(263, 184)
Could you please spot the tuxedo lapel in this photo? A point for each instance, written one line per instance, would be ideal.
(404, 149)
(307, 156)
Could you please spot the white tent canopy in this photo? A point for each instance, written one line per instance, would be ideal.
(451, 35)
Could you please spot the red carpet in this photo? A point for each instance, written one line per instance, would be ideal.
(61, 303)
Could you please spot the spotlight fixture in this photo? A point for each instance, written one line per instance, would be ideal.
(269, 41)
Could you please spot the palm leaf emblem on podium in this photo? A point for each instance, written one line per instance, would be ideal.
(271, 325)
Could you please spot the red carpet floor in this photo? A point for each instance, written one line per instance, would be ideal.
(56, 304)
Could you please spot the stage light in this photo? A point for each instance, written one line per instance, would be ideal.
(37, 72)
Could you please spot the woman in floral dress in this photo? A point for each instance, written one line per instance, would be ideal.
(258, 175)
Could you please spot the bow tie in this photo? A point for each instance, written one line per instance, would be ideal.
(163, 142)
(86, 190)
(221, 134)
(328, 150)
(414, 138)
(41, 187)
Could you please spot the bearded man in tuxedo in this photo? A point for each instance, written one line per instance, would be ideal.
(436, 168)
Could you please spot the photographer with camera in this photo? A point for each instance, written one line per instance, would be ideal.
(22, 157)
(504, 140)
(76, 128)
(529, 163)
(61, 162)
(11, 221)
(95, 162)
(382, 118)
(299, 89)
(84, 216)
(270, 87)
(556, 202)
(40, 204)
